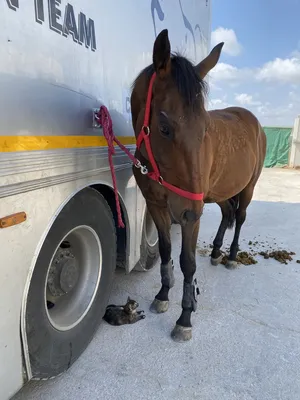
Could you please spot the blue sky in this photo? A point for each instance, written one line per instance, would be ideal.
(260, 64)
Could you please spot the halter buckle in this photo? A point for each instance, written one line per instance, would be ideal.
(146, 130)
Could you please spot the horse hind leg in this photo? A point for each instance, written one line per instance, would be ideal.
(161, 218)
(228, 209)
(245, 198)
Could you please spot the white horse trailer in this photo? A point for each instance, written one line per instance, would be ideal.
(59, 238)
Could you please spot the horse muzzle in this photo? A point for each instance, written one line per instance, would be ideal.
(184, 211)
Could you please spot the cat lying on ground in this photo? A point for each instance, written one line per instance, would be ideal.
(121, 315)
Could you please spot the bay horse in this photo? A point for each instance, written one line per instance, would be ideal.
(188, 157)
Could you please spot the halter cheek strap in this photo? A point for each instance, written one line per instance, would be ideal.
(144, 136)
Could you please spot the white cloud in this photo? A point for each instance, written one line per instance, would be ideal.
(231, 45)
(215, 102)
(262, 110)
(218, 103)
(280, 70)
(267, 114)
(246, 99)
(295, 97)
(274, 115)
(295, 53)
(224, 72)
(230, 73)
(271, 91)
(214, 87)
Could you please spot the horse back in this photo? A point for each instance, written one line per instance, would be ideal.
(239, 128)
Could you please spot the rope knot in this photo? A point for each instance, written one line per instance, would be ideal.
(105, 121)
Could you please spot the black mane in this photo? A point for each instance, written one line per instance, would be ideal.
(190, 87)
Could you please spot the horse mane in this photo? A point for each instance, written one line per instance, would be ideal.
(190, 86)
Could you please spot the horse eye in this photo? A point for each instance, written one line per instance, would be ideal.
(164, 130)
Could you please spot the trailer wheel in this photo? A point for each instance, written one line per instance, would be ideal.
(71, 284)
(149, 245)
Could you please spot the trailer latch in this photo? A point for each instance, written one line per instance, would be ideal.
(95, 123)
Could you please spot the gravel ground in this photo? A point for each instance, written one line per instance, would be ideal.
(246, 331)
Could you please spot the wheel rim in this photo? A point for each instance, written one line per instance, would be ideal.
(73, 278)
(150, 230)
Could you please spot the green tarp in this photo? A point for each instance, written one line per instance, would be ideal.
(278, 146)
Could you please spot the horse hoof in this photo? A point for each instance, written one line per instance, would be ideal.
(159, 306)
(181, 334)
(231, 264)
(216, 261)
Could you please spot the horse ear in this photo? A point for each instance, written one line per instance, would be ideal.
(210, 61)
(162, 54)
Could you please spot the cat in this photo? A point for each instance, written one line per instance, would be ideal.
(121, 315)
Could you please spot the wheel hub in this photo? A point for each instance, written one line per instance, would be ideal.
(73, 278)
(63, 273)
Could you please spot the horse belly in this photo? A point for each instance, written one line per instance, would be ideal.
(229, 183)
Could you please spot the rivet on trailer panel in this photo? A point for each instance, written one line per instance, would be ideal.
(13, 219)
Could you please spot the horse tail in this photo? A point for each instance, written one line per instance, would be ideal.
(233, 206)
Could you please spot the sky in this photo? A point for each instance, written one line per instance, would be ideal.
(259, 67)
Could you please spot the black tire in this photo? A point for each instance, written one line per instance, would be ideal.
(52, 351)
(149, 253)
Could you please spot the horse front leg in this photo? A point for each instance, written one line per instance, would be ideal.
(183, 328)
(162, 220)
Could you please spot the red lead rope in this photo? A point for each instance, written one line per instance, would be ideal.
(104, 119)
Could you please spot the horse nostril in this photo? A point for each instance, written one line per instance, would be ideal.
(189, 216)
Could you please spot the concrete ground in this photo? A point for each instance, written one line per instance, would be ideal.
(246, 331)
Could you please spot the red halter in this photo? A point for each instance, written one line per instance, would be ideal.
(144, 135)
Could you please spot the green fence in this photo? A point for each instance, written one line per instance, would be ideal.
(278, 146)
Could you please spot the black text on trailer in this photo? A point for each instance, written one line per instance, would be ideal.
(81, 29)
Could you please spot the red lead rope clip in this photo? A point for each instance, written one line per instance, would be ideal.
(144, 169)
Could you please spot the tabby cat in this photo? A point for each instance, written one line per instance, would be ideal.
(121, 315)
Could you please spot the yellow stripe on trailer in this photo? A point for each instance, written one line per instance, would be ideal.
(28, 143)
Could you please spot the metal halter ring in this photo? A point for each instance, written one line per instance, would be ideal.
(160, 180)
(146, 130)
(144, 170)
